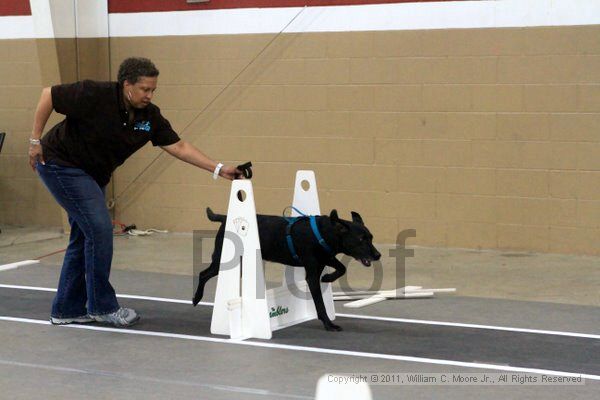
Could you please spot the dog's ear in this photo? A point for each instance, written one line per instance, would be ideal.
(356, 218)
(334, 216)
(337, 223)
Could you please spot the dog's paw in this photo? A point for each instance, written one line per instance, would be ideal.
(197, 298)
(328, 278)
(333, 328)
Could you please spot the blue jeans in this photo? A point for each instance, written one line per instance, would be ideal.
(87, 262)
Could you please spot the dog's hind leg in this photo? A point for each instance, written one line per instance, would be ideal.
(340, 270)
(312, 278)
(213, 269)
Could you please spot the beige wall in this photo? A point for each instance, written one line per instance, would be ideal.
(29, 65)
(23, 199)
(482, 138)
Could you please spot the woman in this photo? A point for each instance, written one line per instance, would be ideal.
(105, 123)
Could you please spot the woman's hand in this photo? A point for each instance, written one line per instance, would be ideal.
(231, 173)
(35, 155)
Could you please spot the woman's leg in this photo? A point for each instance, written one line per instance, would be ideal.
(71, 297)
(91, 247)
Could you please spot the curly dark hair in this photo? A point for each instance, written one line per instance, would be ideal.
(133, 68)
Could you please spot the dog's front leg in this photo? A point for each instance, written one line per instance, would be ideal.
(213, 269)
(313, 274)
(340, 270)
(210, 272)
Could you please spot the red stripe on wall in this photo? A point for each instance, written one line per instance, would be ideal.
(14, 7)
(128, 6)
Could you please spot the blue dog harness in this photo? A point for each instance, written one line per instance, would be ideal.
(313, 225)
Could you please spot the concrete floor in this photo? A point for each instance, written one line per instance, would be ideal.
(519, 290)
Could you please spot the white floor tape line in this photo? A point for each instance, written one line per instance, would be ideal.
(161, 381)
(355, 316)
(18, 264)
(270, 345)
(473, 326)
(121, 296)
(34, 288)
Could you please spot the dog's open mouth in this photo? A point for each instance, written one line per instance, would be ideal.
(365, 262)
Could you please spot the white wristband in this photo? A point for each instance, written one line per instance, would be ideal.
(34, 142)
(217, 170)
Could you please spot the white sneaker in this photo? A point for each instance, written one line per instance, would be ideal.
(76, 320)
(121, 318)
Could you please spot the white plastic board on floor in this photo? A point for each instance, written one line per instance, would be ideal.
(342, 387)
(241, 250)
(243, 308)
(307, 201)
(7, 267)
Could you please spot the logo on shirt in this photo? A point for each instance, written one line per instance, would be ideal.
(142, 126)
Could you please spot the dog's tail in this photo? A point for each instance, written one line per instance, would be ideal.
(215, 217)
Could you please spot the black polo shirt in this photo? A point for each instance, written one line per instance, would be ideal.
(97, 136)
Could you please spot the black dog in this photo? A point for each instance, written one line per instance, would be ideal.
(340, 236)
